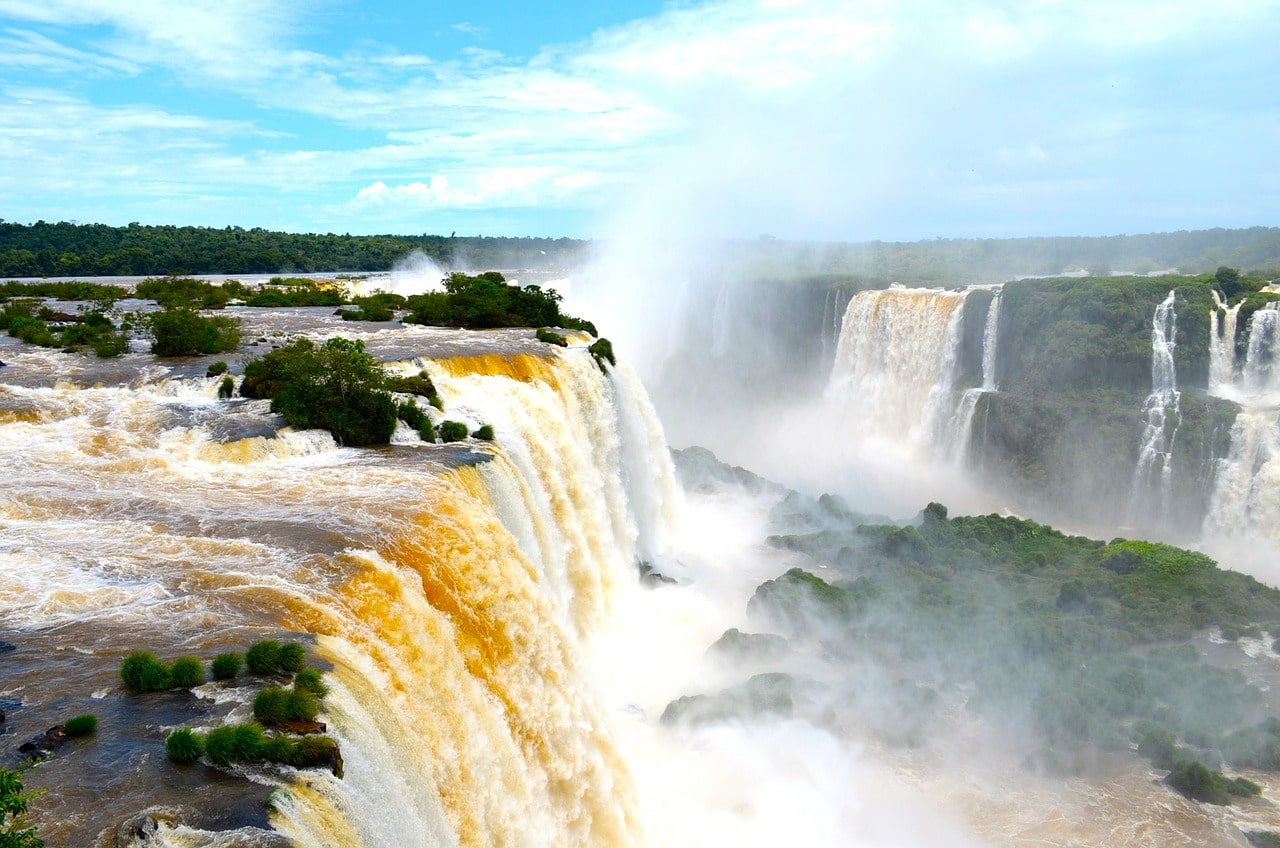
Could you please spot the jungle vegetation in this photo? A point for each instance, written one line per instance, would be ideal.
(1090, 644)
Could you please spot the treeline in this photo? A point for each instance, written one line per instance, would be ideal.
(950, 262)
(91, 250)
(69, 250)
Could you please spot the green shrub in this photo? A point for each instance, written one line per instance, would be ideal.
(453, 431)
(314, 751)
(186, 672)
(81, 725)
(249, 740)
(551, 338)
(293, 657)
(274, 706)
(410, 413)
(309, 680)
(32, 331)
(485, 432)
(271, 706)
(336, 387)
(279, 749)
(301, 705)
(263, 657)
(1198, 782)
(235, 743)
(183, 331)
(226, 666)
(216, 369)
(110, 345)
(418, 384)
(602, 351)
(226, 388)
(183, 746)
(220, 747)
(143, 672)
(1242, 787)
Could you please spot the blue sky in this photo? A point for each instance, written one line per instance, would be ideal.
(815, 119)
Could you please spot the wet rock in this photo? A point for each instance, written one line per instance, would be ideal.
(6, 647)
(44, 745)
(302, 728)
(736, 645)
(135, 829)
(650, 578)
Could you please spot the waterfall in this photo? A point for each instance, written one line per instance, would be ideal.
(895, 365)
(1222, 346)
(1260, 375)
(961, 427)
(1153, 476)
(454, 589)
(1246, 492)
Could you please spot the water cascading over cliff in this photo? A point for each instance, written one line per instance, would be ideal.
(453, 593)
(1246, 495)
(1153, 476)
(895, 366)
(960, 429)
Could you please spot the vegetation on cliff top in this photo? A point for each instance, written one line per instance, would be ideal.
(487, 300)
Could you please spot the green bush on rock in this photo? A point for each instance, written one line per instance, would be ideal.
(186, 672)
(142, 671)
(336, 387)
(183, 746)
(183, 331)
(293, 657)
(453, 431)
(309, 680)
(81, 725)
(263, 657)
(226, 666)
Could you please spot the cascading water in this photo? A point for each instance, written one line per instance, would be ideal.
(961, 427)
(1246, 494)
(452, 592)
(1153, 476)
(1222, 346)
(895, 365)
(1260, 376)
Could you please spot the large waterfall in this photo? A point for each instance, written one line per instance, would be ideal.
(895, 365)
(1246, 497)
(454, 590)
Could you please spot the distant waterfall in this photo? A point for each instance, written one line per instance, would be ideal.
(1246, 493)
(1260, 375)
(961, 428)
(1154, 473)
(1222, 346)
(895, 364)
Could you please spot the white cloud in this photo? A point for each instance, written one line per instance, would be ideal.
(804, 104)
(482, 188)
(29, 50)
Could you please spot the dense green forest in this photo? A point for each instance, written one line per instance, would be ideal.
(86, 250)
(67, 250)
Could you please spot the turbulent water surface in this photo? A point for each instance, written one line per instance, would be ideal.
(497, 669)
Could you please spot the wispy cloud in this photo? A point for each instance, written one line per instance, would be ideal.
(770, 104)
